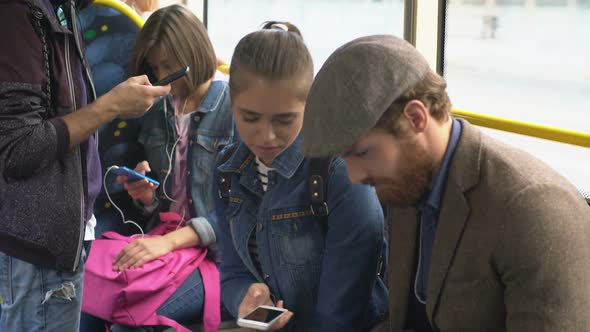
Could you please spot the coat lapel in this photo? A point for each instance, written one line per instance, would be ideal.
(452, 221)
(463, 175)
(403, 228)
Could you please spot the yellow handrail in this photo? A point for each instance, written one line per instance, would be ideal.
(223, 68)
(525, 128)
(123, 8)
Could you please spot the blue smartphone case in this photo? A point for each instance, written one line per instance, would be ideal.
(132, 175)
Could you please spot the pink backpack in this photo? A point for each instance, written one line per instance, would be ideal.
(133, 296)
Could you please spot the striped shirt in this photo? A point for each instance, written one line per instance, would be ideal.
(252, 245)
(263, 173)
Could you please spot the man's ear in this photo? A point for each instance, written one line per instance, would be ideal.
(417, 115)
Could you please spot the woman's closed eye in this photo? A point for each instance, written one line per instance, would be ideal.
(285, 119)
(362, 152)
(250, 118)
(284, 122)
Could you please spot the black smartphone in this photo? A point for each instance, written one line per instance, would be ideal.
(173, 77)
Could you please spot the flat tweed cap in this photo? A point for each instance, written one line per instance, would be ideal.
(354, 87)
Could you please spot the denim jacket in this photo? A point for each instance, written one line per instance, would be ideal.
(328, 279)
(210, 130)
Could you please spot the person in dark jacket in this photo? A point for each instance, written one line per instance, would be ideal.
(50, 173)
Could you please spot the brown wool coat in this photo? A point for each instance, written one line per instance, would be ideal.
(512, 249)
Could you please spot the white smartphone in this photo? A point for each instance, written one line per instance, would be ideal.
(261, 318)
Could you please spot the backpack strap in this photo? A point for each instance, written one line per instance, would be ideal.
(317, 184)
(318, 195)
(224, 179)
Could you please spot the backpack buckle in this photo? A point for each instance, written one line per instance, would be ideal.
(322, 210)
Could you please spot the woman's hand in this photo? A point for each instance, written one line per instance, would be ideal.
(285, 318)
(258, 294)
(141, 251)
(141, 190)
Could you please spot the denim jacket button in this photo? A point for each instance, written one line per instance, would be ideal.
(197, 118)
(259, 227)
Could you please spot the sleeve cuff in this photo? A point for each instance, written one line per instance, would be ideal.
(149, 209)
(204, 230)
(63, 135)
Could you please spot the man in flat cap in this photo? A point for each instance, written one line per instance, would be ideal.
(483, 236)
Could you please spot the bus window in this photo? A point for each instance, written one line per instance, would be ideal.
(325, 24)
(525, 60)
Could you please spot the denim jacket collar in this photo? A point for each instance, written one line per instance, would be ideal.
(213, 97)
(238, 162)
(286, 164)
(211, 100)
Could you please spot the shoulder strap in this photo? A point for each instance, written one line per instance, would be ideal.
(317, 184)
(318, 194)
(224, 179)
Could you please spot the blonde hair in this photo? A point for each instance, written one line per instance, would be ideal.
(182, 36)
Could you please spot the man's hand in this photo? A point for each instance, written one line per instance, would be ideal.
(129, 99)
(134, 97)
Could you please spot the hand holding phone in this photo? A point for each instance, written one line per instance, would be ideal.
(258, 296)
(140, 187)
(131, 174)
(262, 317)
(173, 77)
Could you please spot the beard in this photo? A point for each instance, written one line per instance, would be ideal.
(410, 182)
